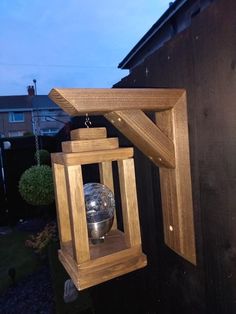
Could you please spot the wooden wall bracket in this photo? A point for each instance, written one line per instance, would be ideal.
(165, 142)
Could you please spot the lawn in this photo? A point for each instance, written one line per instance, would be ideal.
(14, 254)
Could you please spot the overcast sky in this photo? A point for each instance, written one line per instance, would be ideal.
(69, 43)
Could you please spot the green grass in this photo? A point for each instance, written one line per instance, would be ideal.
(13, 253)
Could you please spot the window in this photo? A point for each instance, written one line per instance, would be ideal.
(45, 115)
(16, 117)
(15, 133)
(49, 132)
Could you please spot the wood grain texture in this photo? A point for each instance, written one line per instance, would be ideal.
(106, 178)
(176, 186)
(104, 268)
(78, 221)
(114, 242)
(89, 145)
(82, 158)
(129, 202)
(88, 134)
(76, 101)
(62, 207)
(144, 134)
(110, 270)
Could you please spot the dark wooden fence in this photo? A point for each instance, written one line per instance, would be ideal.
(201, 59)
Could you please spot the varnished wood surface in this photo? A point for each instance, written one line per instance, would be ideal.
(144, 134)
(88, 134)
(80, 243)
(76, 101)
(62, 206)
(89, 145)
(109, 262)
(176, 185)
(92, 157)
(129, 202)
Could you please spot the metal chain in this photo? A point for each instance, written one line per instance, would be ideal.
(87, 122)
(36, 130)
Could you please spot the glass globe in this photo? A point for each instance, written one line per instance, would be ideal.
(100, 208)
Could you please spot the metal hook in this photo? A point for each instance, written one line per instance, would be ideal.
(87, 122)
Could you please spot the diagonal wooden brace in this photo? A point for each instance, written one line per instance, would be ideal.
(144, 134)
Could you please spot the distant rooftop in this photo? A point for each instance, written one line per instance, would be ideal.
(26, 102)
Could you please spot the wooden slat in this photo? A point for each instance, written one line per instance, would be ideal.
(89, 145)
(92, 157)
(76, 101)
(176, 186)
(110, 270)
(63, 218)
(129, 201)
(88, 134)
(106, 178)
(78, 221)
(104, 268)
(170, 209)
(144, 134)
(57, 158)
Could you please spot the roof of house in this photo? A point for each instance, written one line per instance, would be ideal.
(173, 7)
(185, 8)
(25, 103)
(43, 102)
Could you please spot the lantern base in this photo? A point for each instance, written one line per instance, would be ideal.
(107, 260)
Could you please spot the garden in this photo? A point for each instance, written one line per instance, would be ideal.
(32, 280)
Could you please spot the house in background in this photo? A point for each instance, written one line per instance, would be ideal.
(30, 113)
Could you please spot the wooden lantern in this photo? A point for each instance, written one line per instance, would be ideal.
(86, 263)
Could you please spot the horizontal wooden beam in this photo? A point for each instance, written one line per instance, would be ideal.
(88, 134)
(76, 101)
(93, 157)
(144, 134)
(90, 145)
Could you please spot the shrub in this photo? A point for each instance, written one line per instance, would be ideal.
(40, 241)
(44, 157)
(36, 185)
(28, 133)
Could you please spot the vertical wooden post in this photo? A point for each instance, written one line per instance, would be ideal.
(78, 221)
(176, 186)
(61, 203)
(129, 201)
